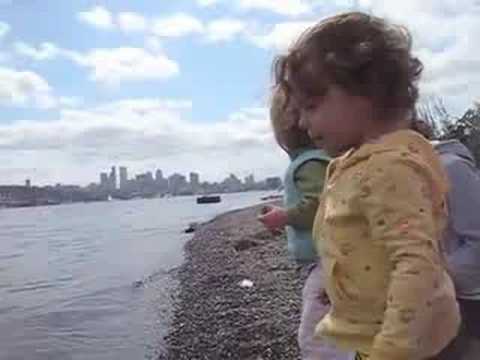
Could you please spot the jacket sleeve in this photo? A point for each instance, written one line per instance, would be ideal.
(309, 179)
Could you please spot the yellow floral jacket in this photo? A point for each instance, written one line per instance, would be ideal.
(378, 231)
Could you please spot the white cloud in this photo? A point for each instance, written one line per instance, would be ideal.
(411, 7)
(224, 29)
(114, 66)
(111, 66)
(45, 51)
(98, 16)
(206, 3)
(177, 25)
(25, 89)
(4, 29)
(284, 7)
(142, 134)
(445, 33)
(281, 35)
(281, 7)
(131, 22)
(172, 26)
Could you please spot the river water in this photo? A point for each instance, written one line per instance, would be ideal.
(91, 281)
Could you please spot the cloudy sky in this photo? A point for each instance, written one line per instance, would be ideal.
(180, 85)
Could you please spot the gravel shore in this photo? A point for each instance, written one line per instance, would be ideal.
(239, 295)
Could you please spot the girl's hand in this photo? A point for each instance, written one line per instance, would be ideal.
(273, 217)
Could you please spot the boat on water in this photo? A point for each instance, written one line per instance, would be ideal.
(209, 199)
(272, 197)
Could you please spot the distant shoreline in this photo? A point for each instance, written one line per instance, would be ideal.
(31, 204)
(217, 314)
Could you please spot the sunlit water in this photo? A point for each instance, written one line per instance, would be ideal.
(91, 281)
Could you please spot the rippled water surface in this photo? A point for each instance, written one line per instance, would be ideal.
(91, 281)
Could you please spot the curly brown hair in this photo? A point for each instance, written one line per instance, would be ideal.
(285, 124)
(363, 54)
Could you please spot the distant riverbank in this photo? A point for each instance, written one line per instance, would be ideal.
(29, 197)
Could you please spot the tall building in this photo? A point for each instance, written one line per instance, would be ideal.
(145, 183)
(113, 179)
(104, 180)
(145, 179)
(160, 182)
(149, 177)
(177, 184)
(194, 178)
(123, 177)
(194, 182)
(250, 182)
(232, 184)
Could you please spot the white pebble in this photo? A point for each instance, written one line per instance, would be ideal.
(245, 283)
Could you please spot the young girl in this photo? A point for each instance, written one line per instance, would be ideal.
(303, 185)
(383, 211)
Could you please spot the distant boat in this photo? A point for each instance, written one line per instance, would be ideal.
(208, 199)
(272, 197)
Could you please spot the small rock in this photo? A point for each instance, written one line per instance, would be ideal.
(191, 228)
(245, 283)
(245, 244)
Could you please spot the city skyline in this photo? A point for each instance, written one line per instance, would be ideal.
(173, 183)
(123, 187)
(116, 180)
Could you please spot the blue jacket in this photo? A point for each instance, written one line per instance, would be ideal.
(300, 242)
